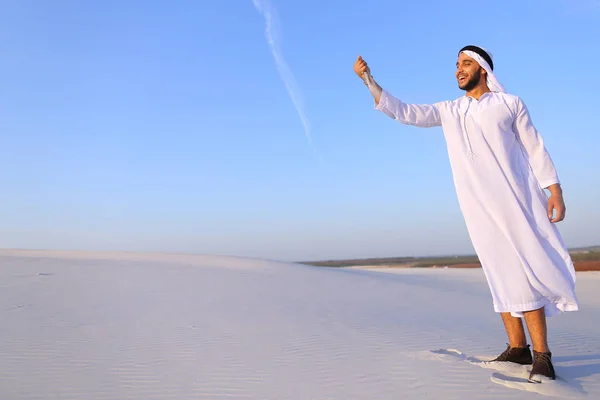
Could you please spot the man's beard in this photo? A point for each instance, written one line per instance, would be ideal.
(474, 81)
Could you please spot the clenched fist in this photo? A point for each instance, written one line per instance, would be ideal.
(360, 66)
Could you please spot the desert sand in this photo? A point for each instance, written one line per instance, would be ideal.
(79, 325)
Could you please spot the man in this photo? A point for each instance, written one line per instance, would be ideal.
(500, 168)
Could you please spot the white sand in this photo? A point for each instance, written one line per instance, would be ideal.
(150, 326)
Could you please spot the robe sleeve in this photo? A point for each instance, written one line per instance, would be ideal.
(421, 115)
(533, 144)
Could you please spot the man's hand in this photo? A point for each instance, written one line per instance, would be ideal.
(556, 203)
(360, 66)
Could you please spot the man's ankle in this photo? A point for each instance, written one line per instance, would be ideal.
(519, 345)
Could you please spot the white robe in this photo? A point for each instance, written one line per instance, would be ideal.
(500, 168)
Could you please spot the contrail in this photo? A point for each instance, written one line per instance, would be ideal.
(271, 32)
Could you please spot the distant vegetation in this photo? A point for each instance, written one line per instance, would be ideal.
(416, 262)
(577, 254)
(586, 254)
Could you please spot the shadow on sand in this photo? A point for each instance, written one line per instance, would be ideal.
(574, 368)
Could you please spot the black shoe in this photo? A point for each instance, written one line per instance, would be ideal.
(518, 355)
(542, 367)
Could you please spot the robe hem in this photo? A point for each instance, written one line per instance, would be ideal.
(551, 307)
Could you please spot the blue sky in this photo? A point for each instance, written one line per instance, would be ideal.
(168, 126)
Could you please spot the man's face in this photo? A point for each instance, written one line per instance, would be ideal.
(468, 72)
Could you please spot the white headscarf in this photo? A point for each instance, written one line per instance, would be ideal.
(492, 81)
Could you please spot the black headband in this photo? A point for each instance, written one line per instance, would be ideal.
(481, 52)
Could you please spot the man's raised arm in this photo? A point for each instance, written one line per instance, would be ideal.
(422, 115)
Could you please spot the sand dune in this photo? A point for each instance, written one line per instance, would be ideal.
(81, 325)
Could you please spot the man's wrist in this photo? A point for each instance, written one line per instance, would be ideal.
(555, 190)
